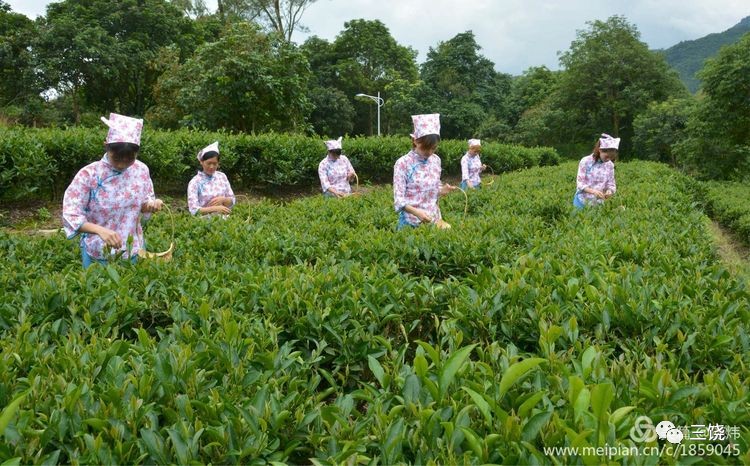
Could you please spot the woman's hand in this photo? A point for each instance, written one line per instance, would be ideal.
(111, 238)
(336, 193)
(220, 201)
(422, 215)
(608, 194)
(484, 167)
(152, 206)
(221, 209)
(598, 194)
(447, 188)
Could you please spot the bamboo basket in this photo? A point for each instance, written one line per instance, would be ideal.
(466, 202)
(166, 255)
(492, 181)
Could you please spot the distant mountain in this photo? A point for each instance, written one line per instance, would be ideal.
(688, 56)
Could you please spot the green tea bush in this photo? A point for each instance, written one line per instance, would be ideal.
(313, 332)
(728, 203)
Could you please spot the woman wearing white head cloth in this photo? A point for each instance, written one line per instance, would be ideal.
(209, 192)
(471, 166)
(416, 177)
(596, 173)
(107, 198)
(335, 171)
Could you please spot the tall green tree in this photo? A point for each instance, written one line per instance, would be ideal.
(333, 111)
(102, 52)
(726, 86)
(466, 89)
(323, 60)
(405, 98)
(530, 89)
(548, 124)
(610, 77)
(282, 16)
(660, 127)
(235, 10)
(191, 8)
(364, 58)
(19, 82)
(718, 145)
(246, 81)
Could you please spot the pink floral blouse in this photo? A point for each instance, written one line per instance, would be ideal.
(101, 195)
(202, 188)
(595, 175)
(416, 182)
(471, 167)
(334, 173)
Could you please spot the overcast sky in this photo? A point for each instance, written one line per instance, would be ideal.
(514, 34)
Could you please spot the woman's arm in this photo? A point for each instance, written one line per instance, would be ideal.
(610, 186)
(193, 204)
(324, 183)
(111, 238)
(423, 216)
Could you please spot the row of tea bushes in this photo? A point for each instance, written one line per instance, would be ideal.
(729, 204)
(313, 332)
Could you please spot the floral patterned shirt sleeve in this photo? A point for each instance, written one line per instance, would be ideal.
(193, 204)
(325, 185)
(75, 200)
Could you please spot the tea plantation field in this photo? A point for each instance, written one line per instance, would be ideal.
(314, 333)
(728, 203)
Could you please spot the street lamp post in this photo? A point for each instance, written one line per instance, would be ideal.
(378, 101)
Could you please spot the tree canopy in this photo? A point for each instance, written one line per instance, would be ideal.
(610, 76)
(717, 138)
(364, 58)
(463, 86)
(20, 82)
(246, 81)
(180, 64)
(103, 52)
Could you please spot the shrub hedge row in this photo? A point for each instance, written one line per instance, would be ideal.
(41, 162)
(726, 202)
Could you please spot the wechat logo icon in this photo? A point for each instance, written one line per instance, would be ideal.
(667, 431)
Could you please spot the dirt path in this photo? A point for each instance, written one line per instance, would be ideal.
(733, 253)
